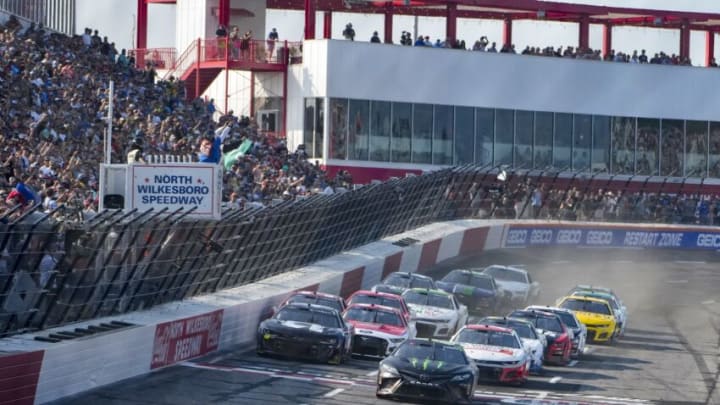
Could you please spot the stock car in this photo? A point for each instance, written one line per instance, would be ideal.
(557, 335)
(595, 313)
(436, 313)
(619, 309)
(312, 297)
(398, 282)
(309, 331)
(533, 341)
(474, 289)
(378, 329)
(379, 298)
(571, 321)
(427, 370)
(516, 284)
(497, 352)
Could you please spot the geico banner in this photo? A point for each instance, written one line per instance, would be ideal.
(526, 236)
(186, 186)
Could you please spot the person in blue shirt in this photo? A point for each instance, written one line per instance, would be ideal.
(211, 147)
(22, 194)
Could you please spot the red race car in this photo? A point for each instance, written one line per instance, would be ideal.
(380, 298)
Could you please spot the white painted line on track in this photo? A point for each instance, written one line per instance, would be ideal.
(690, 262)
(621, 261)
(708, 302)
(555, 380)
(561, 262)
(372, 373)
(334, 392)
(676, 281)
(573, 363)
(541, 395)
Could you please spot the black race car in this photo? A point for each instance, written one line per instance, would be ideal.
(474, 289)
(427, 370)
(308, 331)
(399, 281)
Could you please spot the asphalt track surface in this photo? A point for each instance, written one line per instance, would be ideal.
(669, 354)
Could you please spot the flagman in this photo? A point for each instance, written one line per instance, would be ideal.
(211, 148)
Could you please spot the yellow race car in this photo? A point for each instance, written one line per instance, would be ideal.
(595, 313)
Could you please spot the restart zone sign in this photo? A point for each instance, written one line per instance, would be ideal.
(192, 186)
(531, 236)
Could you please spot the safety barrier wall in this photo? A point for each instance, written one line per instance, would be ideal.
(176, 332)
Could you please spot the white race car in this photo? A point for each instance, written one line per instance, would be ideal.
(515, 283)
(436, 313)
(533, 341)
(497, 351)
(378, 329)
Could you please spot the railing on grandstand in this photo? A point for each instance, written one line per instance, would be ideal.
(158, 58)
(55, 272)
(258, 52)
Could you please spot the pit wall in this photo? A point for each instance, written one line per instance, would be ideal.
(36, 372)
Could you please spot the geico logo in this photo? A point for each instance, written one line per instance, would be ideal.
(569, 236)
(708, 240)
(516, 237)
(599, 238)
(541, 236)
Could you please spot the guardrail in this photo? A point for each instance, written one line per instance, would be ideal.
(54, 273)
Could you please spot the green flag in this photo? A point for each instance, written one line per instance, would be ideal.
(231, 157)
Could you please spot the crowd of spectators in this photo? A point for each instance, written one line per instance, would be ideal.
(53, 123)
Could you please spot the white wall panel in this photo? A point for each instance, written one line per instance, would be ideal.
(190, 23)
(364, 70)
(295, 111)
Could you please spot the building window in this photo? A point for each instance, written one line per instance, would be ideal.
(401, 132)
(543, 144)
(443, 135)
(464, 135)
(380, 129)
(338, 127)
(562, 147)
(600, 144)
(422, 133)
(504, 134)
(671, 148)
(647, 150)
(484, 136)
(582, 141)
(696, 148)
(623, 145)
(524, 124)
(359, 130)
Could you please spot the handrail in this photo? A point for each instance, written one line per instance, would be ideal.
(182, 63)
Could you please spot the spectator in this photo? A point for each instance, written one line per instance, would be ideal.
(349, 33)
(135, 155)
(271, 41)
(375, 38)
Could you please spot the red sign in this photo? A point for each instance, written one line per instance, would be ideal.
(186, 338)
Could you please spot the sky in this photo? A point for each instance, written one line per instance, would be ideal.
(116, 19)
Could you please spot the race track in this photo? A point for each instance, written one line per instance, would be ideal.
(668, 356)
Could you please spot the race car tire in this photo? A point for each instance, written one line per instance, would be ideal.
(337, 359)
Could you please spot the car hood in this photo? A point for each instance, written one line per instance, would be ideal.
(426, 366)
(367, 328)
(298, 328)
(492, 353)
(591, 318)
(465, 289)
(532, 344)
(427, 312)
(391, 289)
(513, 286)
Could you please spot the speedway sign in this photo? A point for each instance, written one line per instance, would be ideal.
(191, 186)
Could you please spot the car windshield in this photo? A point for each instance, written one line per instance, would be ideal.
(487, 337)
(372, 315)
(586, 306)
(501, 273)
(544, 322)
(309, 299)
(427, 350)
(482, 282)
(398, 280)
(323, 318)
(609, 298)
(523, 330)
(377, 300)
(457, 276)
(568, 319)
(429, 299)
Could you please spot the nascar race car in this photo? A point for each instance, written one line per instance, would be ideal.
(436, 313)
(311, 297)
(570, 320)
(497, 352)
(474, 289)
(377, 298)
(516, 284)
(308, 331)
(558, 336)
(398, 282)
(427, 370)
(378, 329)
(533, 341)
(619, 309)
(595, 313)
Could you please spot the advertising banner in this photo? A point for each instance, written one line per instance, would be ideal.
(590, 236)
(186, 338)
(185, 186)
